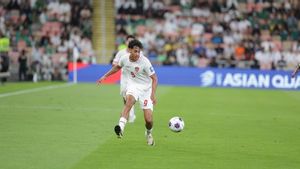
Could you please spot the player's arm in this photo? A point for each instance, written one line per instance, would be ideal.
(114, 63)
(113, 70)
(116, 59)
(154, 86)
(296, 70)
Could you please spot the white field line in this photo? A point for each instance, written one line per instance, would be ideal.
(293, 94)
(35, 90)
(57, 107)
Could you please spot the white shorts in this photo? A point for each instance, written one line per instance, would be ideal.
(123, 89)
(123, 86)
(144, 97)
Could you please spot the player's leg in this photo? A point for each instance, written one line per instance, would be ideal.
(149, 126)
(147, 106)
(130, 100)
(132, 116)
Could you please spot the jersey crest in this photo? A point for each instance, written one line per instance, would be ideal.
(136, 69)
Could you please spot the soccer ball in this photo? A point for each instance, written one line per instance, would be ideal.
(176, 124)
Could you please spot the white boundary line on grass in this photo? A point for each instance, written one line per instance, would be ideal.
(57, 107)
(35, 90)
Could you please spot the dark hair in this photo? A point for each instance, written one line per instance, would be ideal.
(134, 43)
(130, 36)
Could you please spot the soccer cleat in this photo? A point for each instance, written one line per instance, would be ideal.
(150, 140)
(118, 131)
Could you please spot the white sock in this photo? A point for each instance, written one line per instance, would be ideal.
(149, 131)
(131, 112)
(35, 78)
(122, 123)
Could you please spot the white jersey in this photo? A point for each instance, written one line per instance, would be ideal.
(139, 72)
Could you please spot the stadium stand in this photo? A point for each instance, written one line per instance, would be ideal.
(47, 31)
(254, 34)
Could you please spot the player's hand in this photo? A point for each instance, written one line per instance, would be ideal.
(99, 81)
(153, 99)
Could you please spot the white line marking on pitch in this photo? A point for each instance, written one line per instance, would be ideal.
(35, 90)
(57, 107)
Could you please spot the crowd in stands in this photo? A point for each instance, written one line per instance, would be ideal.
(258, 34)
(43, 34)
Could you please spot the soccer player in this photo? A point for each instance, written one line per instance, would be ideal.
(296, 70)
(124, 76)
(141, 87)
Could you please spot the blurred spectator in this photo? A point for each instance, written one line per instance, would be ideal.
(4, 65)
(182, 55)
(281, 64)
(240, 52)
(232, 33)
(23, 66)
(47, 31)
(203, 61)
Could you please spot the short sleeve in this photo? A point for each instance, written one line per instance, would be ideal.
(117, 58)
(121, 62)
(149, 68)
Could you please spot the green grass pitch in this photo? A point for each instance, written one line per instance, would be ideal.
(72, 128)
